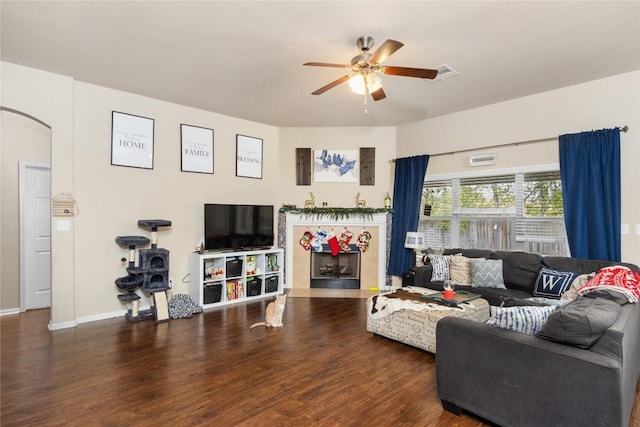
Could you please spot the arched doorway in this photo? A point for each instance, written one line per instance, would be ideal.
(25, 147)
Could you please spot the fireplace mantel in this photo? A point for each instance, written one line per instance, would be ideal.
(293, 222)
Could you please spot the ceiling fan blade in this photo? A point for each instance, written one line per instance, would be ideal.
(385, 50)
(379, 94)
(422, 73)
(324, 64)
(331, 85)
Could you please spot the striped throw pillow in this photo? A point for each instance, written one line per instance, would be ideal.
(526, 319)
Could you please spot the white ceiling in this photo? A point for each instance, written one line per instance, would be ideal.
(244, 58)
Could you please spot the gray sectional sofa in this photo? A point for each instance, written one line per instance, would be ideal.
(516, 379)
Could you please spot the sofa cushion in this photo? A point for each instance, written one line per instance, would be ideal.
(520, 269)
(460, 270)
(581, 322)
(552, 283)
(469, 253)
(525, 319)
(608, 294)
(487, 273)
(440, 265)
(493, 295)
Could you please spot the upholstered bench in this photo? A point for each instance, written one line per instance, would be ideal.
(413, 321)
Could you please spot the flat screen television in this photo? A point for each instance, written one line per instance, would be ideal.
(237, 227)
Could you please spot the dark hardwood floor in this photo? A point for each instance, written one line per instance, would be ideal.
(321, 368)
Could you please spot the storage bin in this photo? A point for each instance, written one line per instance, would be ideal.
(254, 286)
(234, 267)
(271, 284)
(212, 293)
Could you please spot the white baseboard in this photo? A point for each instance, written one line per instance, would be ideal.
(73, 323)
(101, 316)
(109, 315)
(8, 311)
(61, 325)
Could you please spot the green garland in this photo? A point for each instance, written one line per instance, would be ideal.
(335, 213)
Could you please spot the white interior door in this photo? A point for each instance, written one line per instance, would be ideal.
(35, 235)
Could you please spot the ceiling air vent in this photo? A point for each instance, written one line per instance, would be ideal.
(483, 159)
(444, 72)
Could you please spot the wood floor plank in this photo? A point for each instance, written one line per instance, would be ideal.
(322, 368)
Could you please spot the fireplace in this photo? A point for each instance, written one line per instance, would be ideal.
(372, 264)
(337, 272)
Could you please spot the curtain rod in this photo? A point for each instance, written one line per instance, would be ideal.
(624, 128)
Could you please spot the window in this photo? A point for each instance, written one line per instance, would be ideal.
(518, 211)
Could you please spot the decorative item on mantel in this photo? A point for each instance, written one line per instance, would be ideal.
(387, 201)
(360, 203)
(310, 202)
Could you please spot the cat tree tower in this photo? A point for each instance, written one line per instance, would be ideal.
(151, 274)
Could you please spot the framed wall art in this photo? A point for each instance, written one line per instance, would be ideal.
(248, 156)
(196, 148)
(131, 140)
(335, 166)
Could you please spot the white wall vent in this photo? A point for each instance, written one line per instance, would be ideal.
(444, 72)
(483, 159)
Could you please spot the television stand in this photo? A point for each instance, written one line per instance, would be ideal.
(220, 278)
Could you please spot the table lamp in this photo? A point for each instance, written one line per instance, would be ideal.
(415, 240)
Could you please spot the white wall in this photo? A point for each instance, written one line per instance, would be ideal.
(605, 103)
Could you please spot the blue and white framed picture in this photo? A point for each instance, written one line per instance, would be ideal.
(335, 166)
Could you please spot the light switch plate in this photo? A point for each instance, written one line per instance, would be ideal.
(63, 225)
(625, 229)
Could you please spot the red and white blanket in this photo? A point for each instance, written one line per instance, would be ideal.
(617, 278)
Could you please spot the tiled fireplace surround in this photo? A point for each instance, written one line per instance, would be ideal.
(373, 267)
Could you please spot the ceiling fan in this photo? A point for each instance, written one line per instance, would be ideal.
(365, 69)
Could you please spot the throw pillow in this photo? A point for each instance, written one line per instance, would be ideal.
(460, 270)
(526, 319)
(572, 293)
(552, 283)
(440, 265)
(608, 294)
(487, 273)
(581, 322)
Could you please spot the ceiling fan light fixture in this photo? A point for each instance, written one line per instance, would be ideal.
(357, 83)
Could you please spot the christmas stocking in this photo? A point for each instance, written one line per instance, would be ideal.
(305, 240)
(332, 240)
(316, 243)
(344, 240)
(363, 240)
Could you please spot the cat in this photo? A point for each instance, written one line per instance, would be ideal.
(273, 316)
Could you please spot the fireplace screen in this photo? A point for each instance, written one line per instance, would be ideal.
(341, 271)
